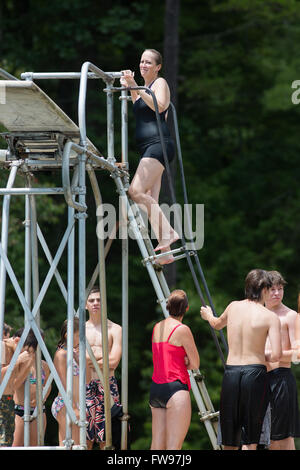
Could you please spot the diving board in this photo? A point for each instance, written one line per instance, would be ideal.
(35, 123)
(27, 108)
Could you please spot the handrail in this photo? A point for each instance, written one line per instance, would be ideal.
(59, 75)
(108, 78)
(185, 197)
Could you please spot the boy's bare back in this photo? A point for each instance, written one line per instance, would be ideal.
(248, 325)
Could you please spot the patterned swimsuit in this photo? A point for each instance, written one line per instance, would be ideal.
(95, 415)
(19, 409)
(95, 408)
(58, 402)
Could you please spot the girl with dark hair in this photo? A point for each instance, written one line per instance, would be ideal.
(174, 352)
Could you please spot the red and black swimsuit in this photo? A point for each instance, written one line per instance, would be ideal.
(169, 372)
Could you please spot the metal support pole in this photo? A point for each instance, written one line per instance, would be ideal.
(110, 122)
(125, 319)
(28, 297)
(4, 243)
(102, 278)
(103, 299)
(81, 302)
(70, 326)
(35, 292)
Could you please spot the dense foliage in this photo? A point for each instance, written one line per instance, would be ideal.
(240, 145)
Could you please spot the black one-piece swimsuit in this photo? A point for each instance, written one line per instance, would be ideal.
(147, 133)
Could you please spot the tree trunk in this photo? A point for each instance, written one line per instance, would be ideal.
(171, 46)
(170, 68)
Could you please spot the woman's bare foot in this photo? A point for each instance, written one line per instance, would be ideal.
(164, 244)
(165, 259)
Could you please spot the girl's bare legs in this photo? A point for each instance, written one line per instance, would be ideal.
(170, 425)
(144, 190)
(158, 428)
(19, 432)
(33, 433)
(34, 430)
(179, 412)
(154, 193)
(61, 419)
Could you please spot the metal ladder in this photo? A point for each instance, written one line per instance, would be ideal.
(207, 413)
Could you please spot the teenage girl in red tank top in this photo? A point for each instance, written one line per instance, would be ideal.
(174, 352)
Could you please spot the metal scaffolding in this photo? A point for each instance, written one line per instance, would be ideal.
(40, 136)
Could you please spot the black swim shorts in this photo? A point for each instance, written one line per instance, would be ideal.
(244, 401)
(285, 421)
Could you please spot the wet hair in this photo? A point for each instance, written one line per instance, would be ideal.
(64, 330)
(30, 341)
(94, 290)
(6, 329)
(157, 55)
(256, 280)
(177, 303)
(277, 278)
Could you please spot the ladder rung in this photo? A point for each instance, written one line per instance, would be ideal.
(154, 258)
(214, 416)
(176, 258)
(199, 377)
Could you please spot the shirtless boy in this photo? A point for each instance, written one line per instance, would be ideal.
(94, 389)
(244, 395)
(284, 401)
